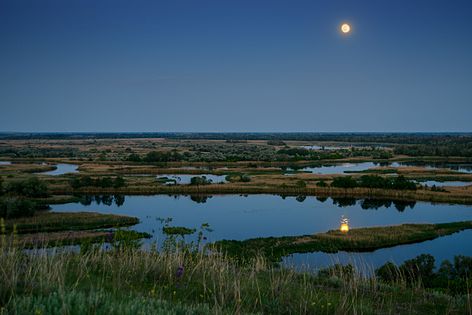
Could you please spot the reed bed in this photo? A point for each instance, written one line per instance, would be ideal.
(46, 221)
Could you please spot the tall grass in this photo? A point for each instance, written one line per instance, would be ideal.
(130, 281)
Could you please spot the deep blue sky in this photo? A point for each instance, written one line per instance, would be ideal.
(80, 65)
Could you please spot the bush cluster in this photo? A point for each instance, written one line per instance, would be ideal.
(374, 181)
(14, 197)
(453, 277)
(16, 207)
(103, 182)
(200, 180)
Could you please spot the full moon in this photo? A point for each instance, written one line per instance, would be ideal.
(345, 28)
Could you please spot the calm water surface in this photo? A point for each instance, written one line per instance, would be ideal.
(342, 168)
(240, 217)
(431, 183)
(338, 168)
(62, 169)
(184, 179)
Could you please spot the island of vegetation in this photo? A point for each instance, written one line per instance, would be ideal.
(356, 240)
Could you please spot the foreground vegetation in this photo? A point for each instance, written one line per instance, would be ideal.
(126, 280)
(356, 240)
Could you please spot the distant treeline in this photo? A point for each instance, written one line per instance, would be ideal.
(381, 137)
(446, 147)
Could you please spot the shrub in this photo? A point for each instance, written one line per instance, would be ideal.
(13, 207)
(388, 272)
(31, 187)
(321, 183)
(200, 180)
(133, 157)
(104, 182)
(301, 184)
(344, 182)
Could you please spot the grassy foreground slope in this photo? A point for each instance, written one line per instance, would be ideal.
(130, 281)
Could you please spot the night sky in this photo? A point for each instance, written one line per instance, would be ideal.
(197, 65)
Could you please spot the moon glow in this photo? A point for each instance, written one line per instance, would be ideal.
(345, 28)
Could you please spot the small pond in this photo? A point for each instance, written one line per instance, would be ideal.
(62, 169)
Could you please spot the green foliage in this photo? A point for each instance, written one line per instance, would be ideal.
(388, 272)
(103, 301)
(119, 182)
(440, 147)
(374, 181)
(46, 221)
(133, 157)
(14, 207)
(344, 182)
(127, 240)
(200, 180)
(102, 182)
(321, 183)
(276, 142)
(132, 281)
(301, 184)
(452, 278)
(177, 230)
(418, 269)
(238, 177)
(31, 187)
(163, 156)
(345, 272)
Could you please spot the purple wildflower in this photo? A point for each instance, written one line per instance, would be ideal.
(109, 237)
(180, 272)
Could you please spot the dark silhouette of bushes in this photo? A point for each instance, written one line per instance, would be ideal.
(102, 182)
(452, 277)
(15, 201)
(16, 207)
(374, 181)
(31, 187)
(200, 180)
